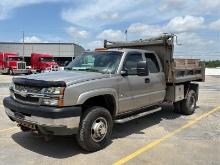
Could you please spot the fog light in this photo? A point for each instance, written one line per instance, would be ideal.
(50, 102)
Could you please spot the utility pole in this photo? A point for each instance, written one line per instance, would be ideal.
(126, 35)
(59, 48)
(23, 44)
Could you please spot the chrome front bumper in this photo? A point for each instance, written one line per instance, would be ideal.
(70, 122)
(20, 71)
(49, 120)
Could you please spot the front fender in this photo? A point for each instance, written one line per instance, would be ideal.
(98, 92)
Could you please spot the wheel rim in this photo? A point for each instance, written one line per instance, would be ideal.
(99, 129)
(192, 102)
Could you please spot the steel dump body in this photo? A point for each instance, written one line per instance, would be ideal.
(176, 70)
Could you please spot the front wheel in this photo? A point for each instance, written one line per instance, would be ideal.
(95, 129)
(11, 72)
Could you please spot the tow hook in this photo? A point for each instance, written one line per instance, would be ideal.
(23, 128)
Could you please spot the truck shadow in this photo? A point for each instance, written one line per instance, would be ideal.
(59, 147)
(136, 126)
(65, 146)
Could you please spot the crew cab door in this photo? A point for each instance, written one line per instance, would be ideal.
(157, 83)
(133, 89)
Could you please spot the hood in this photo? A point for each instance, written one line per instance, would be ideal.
(69, 77)
(13, 64)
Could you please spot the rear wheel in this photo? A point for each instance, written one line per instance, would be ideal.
(95, 129)
(186, 106)
(189, 104)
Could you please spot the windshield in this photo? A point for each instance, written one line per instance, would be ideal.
(14, 59)
(102, 62)
(47, 59)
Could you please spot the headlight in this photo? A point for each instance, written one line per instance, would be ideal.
(53, 91)
(55, 95)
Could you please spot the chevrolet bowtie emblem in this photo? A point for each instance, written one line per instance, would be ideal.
(23, 93)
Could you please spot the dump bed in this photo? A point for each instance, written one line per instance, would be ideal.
(176, 70)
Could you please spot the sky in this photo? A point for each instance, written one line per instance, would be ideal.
(89, 22)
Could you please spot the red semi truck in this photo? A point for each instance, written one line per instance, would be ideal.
(43, 62)
(11, 63)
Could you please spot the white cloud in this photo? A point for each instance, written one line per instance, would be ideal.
(7, 6)
(101, 12)
(76, 33)
(184, 24)
(209, 6)
(94, 44)
(109, 34)
(170, 4)
(110, 16)
(189, 39)
(32, 39)
(175, 25)
(215, 25)
(194, 46)
(143, 30)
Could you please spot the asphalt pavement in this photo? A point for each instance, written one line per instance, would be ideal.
(160, 138)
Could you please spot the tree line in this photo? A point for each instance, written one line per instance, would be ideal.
(212, 64)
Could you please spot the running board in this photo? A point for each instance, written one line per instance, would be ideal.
(123, 120)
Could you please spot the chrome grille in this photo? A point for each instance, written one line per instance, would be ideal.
(27, 99)
(21, 65)
(21, 88)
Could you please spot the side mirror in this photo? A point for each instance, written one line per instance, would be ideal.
(142, 68)
(124, 73)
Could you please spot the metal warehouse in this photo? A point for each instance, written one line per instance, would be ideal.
(61, 51)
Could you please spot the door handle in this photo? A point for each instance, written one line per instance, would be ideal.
(147, 80)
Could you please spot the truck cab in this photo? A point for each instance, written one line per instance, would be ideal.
(43, 62)
(11, 63)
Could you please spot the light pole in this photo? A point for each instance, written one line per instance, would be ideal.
(23, 44)
(126, 35)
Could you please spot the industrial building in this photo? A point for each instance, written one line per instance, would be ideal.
(61, 51)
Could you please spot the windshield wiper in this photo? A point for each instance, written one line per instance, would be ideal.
(65, 68)
(92, 70)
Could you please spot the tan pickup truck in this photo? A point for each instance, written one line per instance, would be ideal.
(124, 81)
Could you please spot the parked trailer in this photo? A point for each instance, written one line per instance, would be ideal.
(11, 63)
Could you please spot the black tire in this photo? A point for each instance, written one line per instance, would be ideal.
(29, 72)
(188, 105)
(92, 120)
(11, 72)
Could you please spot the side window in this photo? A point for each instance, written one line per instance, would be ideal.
(130, 64)
(152, 63)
